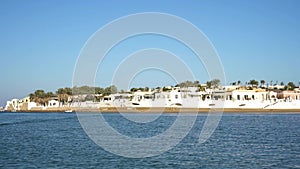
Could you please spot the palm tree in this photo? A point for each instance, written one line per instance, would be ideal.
(215, 83)
(134, 89)
(63, 95)
(196, 83)
(33, 97)
(253, 82)
(39, 97)
(262, 82)
(200, 88)
(99, 90)
(208, 83)
(291, 86)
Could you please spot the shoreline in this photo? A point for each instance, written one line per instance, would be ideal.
(160, 110)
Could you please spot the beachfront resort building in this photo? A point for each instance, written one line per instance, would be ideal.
(251, 95)
(20, 104)
(289, 95)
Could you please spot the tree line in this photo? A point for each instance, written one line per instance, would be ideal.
(264, 84)
(63, 94)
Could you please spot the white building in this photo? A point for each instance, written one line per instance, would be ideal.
(142, 99)
(174, 98)
(12, 105)
(18, 104)
(53, 103)
(115, 100)
(257, 95)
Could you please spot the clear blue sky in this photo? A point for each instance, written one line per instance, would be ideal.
(41, 40)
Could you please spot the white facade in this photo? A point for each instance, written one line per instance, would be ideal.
(32, 105)
(14, 103)
(174, 98)
(115, 100)
(53, 103)
(17, 104)
(142, 99)
(257, 95)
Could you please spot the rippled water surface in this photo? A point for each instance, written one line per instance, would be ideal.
(56, 140)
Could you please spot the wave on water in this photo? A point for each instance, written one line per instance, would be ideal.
(33, 121)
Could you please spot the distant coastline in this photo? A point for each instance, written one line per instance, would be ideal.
(185, 97)
(142, 110)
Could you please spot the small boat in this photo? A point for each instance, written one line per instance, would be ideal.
(69, 111)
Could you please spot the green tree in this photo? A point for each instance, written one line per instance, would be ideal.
(215, 83)
(165, 89)
(291, 86)
(158, 89)
(110, 90)
(83, 90)
(200, 88)
(99, 90)
(262, 82)
(63, 95)
(134, 89)
(187, 84)
(197, 83)
(113, 89)
(39, 97)
(208, 83)
(253, 82)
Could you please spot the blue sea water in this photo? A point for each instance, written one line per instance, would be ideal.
(57, 140)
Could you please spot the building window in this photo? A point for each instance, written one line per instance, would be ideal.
(238, 97)
(253, 98)
(176, 96)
